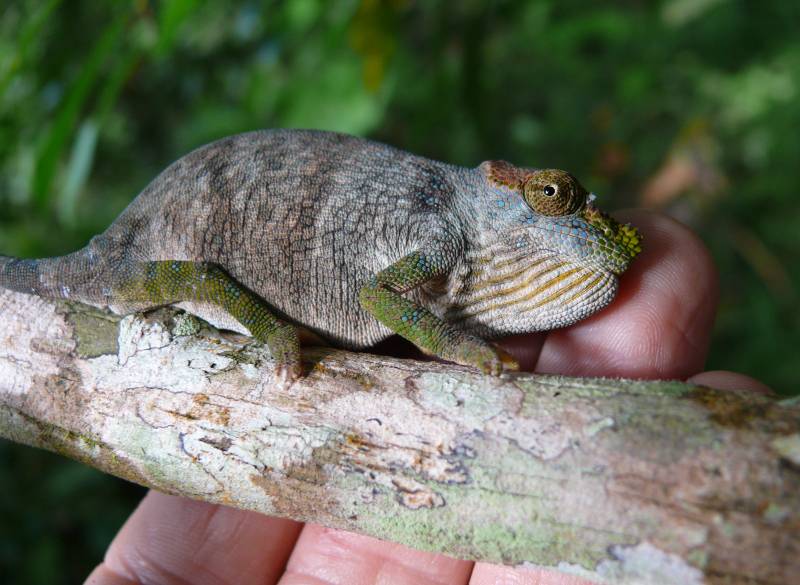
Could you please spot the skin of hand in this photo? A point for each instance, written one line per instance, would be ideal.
(658, 327)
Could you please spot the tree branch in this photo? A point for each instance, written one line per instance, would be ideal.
(614, 480)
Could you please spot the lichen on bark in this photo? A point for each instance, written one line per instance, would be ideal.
(617, 480)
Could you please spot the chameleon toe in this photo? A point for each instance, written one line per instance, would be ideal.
(508, 362)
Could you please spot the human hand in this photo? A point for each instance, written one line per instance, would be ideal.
(658, 327)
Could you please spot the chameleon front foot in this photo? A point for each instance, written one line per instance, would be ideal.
(287, 372)
(383, 297)
(284, 347)
(488, 358)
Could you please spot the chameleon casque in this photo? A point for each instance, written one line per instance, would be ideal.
(353, 240)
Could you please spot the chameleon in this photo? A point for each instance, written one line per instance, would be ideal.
(275, 231)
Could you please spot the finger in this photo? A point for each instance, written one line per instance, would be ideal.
(333, 557)
(486, 574)
(660, 323)
(722, 380)
(170, 540)
(102, 575)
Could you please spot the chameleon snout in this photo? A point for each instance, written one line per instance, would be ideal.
(617, 243)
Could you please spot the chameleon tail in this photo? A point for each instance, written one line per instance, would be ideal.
(66, 277)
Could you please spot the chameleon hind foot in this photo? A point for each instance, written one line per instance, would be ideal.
(165, 282)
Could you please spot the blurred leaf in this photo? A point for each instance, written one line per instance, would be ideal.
(371, 35)
(80, 162)
(302, 14)
(691, 166)
(70, 111)
(78, 167)
(26, 40)
(749, 93)
(335, 99)
(680, 12)
(764, 262)
(171, 16)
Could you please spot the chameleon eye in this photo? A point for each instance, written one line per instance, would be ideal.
(554, 193)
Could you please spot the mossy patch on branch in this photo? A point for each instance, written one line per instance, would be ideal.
(96, 331)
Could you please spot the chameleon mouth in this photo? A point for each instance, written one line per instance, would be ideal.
(624, 240)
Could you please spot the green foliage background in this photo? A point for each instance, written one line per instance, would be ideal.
(690, 106)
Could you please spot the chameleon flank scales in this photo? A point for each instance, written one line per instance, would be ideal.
(353, 240)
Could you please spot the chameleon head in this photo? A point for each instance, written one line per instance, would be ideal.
(546, 257)
(566, 212)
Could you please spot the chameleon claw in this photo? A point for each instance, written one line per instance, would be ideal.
(286, 373)
(488, 358)
(499, 363)
(285, 349)
(508, 362)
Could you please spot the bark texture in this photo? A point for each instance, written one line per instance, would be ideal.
(614, 480)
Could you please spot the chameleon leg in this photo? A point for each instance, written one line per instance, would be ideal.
(383, 297)
(172, 281)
